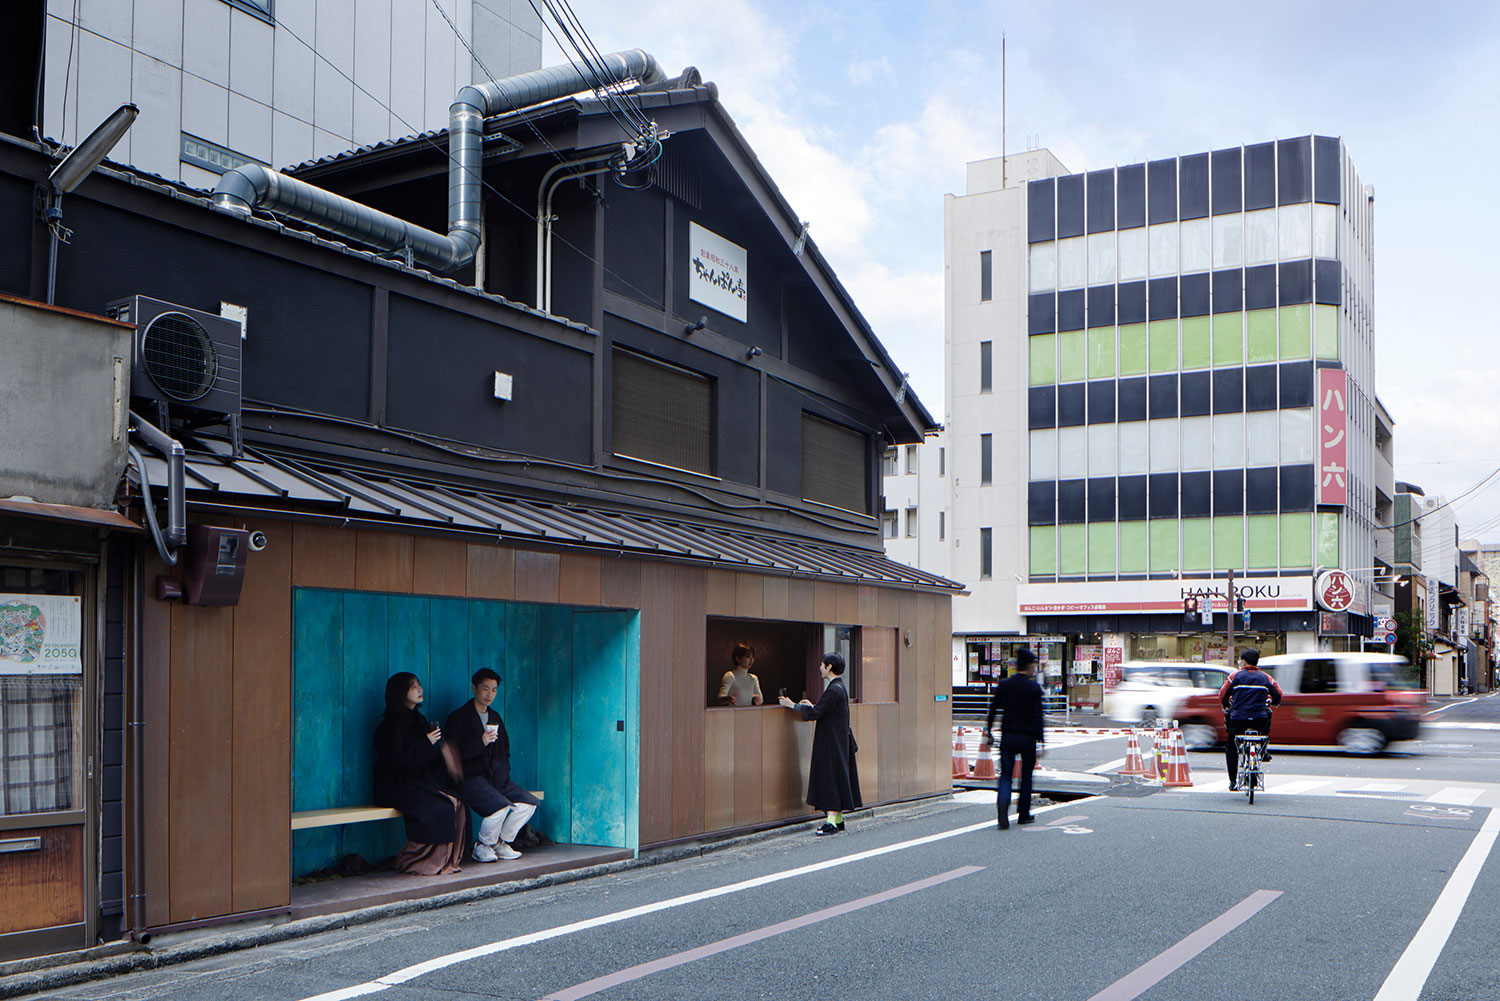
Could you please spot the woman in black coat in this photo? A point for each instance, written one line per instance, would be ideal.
(412, 776)
(833, 776)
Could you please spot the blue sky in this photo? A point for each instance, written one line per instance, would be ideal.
(866, 112)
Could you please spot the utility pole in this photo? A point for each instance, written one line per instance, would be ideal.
(1229, 626)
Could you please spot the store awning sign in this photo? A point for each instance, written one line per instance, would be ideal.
(1333, 444)
(41, 634)
(1261, 594)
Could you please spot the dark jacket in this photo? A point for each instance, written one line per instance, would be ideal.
(1018, 702)
(410, 776)
(465, 732)
(833, 776)
(1249, 693)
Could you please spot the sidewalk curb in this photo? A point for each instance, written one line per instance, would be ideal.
(30, 976)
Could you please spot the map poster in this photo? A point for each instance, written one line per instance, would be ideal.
(41, 634)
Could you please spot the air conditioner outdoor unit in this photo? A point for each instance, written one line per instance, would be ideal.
(184, 358)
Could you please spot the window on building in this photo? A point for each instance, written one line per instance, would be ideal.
(888, 524)
(787, 655)
(911, 460)
(889, 462)
(986, 459)
(911, 523)
(211, 156)
(942, 525)
(834, 464)
(986, 276)
(986, 366)
(942, 462)
(663, 414)
(986, 556)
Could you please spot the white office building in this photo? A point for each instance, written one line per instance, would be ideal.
(278, 82)
(1159, 374)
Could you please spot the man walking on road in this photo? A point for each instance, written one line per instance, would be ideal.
(1018, 701)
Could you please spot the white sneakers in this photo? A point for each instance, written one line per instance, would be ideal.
(495, 852)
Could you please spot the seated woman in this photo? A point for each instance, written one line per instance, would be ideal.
(412, 775)
(739, 687)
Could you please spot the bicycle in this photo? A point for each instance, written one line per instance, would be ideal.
(1251, 774)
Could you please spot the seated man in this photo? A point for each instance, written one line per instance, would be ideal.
(478, 733)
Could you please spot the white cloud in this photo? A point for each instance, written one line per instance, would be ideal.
(865, 71)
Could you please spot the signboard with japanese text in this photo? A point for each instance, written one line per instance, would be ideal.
(1333, 427)
(1334, 590)
(718, 272)
(41, 634)
(1263, 594)
(1434, 618)
(1461, 626)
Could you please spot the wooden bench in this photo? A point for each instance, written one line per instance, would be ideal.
(339, 815)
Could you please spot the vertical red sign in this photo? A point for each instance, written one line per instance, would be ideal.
(1333, 432)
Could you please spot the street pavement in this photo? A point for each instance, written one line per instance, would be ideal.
(1348, 878)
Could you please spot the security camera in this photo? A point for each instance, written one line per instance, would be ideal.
(258, 541)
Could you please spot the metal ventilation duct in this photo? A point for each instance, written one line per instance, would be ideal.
(243, 189)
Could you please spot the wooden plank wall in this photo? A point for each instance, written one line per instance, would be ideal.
(218, 684)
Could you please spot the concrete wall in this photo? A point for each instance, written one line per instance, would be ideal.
(63, 392)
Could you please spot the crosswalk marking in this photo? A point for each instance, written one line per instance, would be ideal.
(1299, 786)
(1380, 787)
(1456, 795)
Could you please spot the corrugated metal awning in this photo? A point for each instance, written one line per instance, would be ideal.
(262, 480)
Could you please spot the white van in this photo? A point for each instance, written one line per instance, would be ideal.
(1152, 690)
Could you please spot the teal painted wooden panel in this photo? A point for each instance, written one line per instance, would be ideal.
(366, 664)
(407, 637)
(599, 745)
(522, 636)
(317, 686)
(631, 638)
(487, 643)
(448, 662)
(554, 719)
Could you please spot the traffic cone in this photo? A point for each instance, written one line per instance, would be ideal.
(960, 755)
(1177, 775)
(1151, 770)
(984, 761)
(1161, 747)
(1134, 763)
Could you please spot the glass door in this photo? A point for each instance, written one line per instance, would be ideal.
(45, 720)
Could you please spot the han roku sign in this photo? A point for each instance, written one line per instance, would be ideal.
(1261, 594)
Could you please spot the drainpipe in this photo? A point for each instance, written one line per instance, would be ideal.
(544, 219)
(241, 190)
(135, 750)
(170, 449)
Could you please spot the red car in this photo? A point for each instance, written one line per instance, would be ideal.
(1358, 701)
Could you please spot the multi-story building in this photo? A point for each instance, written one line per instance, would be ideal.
(224, 82)
(1160, 374)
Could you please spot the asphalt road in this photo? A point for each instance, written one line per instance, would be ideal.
(1365, 878)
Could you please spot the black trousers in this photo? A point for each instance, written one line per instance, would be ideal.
(1236, 727)
(1012, 746)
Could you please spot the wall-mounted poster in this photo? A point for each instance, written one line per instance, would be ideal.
(718, 272)
(41, 634)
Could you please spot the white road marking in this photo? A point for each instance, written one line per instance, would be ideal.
(1297, 786)
(1459, 725)
(1411, 971)
(401, 976)
(1380, 787)
(1456, 795)
(1108, 766)
(1212, 785)
(1450, 705)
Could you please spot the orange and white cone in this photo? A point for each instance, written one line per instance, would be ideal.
(960, 755)
(1177, 775)
(984, 761)
(1134, 763)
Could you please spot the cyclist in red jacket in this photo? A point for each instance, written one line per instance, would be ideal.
(1247, 698)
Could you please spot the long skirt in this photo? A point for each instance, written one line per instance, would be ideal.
(418, 859)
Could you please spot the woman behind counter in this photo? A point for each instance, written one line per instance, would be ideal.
(739, 687)
(412, 776)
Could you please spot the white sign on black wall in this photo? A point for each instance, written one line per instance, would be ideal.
(718, 272)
